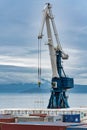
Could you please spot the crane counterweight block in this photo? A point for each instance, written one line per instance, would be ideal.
(62, 83)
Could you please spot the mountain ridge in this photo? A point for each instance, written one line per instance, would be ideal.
(34, 88)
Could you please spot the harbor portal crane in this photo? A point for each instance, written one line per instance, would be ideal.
(60, 82)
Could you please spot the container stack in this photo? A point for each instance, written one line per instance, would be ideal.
(70, 120)
(42, 126)
(7, 118)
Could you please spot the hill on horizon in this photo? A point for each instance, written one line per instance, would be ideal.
(34, 88)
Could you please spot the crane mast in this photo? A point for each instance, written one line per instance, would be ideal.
(60, 83)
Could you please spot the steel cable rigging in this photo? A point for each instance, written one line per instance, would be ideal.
(39, 62)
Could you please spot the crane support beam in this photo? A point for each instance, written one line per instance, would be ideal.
(51, 49)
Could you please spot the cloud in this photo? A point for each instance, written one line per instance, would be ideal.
(71, 19)
(10, 74)
(75, 66)
(15, 74)
(19, 28)
(23, 61)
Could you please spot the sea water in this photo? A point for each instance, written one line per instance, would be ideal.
(38, 100)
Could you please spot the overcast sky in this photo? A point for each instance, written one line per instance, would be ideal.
(20, 22)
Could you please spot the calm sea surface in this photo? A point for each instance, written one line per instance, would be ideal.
(37, 100)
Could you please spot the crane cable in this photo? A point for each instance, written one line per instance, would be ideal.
(39, 62)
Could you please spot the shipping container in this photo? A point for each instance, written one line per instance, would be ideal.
(1, 125)
(79, 127)
(34, 126)
(6, 118)
(29, 118)
(39, 114)
(54, 118)
(75, 118)
(38, 118)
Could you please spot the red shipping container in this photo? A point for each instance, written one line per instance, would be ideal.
(1, 125)
(7, 120)
(31, 127)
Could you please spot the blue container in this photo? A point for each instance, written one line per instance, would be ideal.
(82, 127)
(75, 118)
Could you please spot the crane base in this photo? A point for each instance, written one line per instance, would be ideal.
(58, 100)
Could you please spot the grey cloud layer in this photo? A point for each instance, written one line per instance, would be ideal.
(19, 26)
